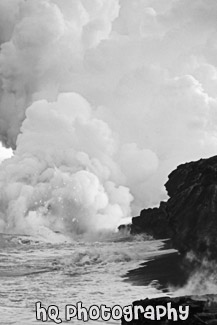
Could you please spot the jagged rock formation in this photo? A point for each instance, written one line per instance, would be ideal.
(189, 217)
(202, 310)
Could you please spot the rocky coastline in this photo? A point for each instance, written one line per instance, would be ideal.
(189, 219)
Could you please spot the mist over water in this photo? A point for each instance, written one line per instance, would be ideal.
(100, 100)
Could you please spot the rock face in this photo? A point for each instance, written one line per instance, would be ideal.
(189, 217)
(202, 310)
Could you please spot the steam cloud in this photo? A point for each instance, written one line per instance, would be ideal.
(100, 100)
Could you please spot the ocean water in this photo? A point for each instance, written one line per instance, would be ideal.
(89, 269)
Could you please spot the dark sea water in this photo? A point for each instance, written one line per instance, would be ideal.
(90, 270)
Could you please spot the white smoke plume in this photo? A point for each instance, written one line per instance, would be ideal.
(100, 100)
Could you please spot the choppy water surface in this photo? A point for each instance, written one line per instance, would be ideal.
(86, 270)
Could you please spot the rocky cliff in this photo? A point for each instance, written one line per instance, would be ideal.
(189, 217)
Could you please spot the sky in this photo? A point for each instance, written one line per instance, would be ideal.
(100, 100)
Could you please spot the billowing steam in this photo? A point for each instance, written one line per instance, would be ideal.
(100, 100)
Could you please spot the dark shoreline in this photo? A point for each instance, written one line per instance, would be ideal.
(162, 271)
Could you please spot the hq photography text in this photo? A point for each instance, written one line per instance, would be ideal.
(95, 312)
